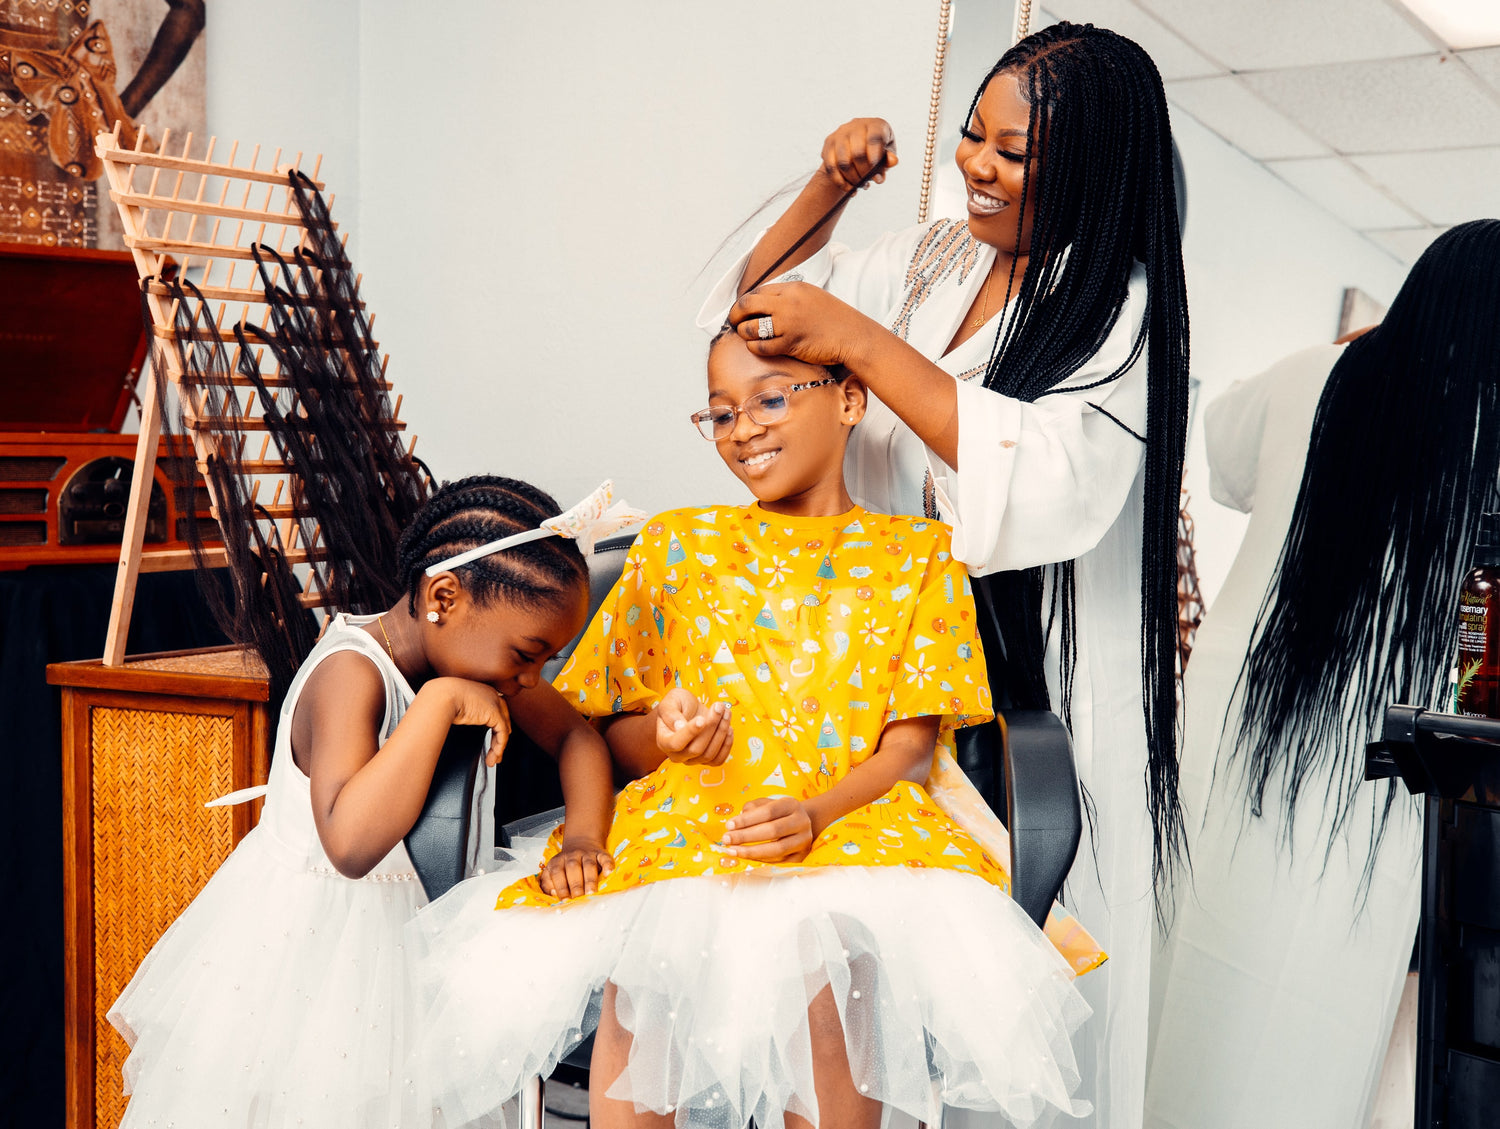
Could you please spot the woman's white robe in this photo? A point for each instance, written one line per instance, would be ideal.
(1037, 483)
(1274, 992)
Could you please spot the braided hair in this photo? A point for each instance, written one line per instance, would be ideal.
(475, 511)
(1401, 463)
(1100, 132)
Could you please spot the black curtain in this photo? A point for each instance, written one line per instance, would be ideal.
(54, 614)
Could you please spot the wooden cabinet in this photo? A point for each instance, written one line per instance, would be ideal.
(145, 746)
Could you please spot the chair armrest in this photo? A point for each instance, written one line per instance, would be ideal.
(437, 841)
(1043, 811)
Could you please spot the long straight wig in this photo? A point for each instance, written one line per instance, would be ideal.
(1105, 195)
(1360, 611)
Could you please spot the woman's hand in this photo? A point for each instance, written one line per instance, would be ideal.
(576, 869)
(855, 148)
(812, 325)
(849, 153)
(690, 733)
(807, 322)
(474, 703)
(773, 829)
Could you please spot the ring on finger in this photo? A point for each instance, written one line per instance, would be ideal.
(764, 328)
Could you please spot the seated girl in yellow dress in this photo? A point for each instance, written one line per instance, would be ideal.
(782, 924)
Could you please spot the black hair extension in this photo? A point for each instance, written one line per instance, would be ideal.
(1099, 130)
(1359, 613)
(354, 487)
(326, 410)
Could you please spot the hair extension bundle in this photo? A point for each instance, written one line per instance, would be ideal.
(1402, 461)
(352, 486)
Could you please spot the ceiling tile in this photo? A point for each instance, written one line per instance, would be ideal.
(1230, 110)
(1337, 186)
(1265, 34)
(1173, 57)
(1444, 187)
(1485, 63)
(1406, 243)
(1385, 106)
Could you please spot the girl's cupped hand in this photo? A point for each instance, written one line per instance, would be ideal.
(772, 829)
(689, 732)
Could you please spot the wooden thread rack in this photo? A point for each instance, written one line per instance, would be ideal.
(206, 217)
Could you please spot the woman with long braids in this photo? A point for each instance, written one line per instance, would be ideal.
(1028, 371)
(1365, 469)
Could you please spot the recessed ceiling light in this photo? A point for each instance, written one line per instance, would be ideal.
(1460, 23)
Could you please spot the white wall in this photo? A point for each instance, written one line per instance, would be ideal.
(541, 185)
(285, 73)
(533, 191)
(1266, 271)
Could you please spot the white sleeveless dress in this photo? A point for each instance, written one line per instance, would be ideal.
(280, 996)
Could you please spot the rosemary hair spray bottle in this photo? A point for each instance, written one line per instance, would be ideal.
(1478, 693)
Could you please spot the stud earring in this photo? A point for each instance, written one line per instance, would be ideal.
(432, 617)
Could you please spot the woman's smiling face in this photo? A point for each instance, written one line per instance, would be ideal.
(992, 158)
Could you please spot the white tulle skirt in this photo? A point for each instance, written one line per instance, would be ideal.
(947, 992)
(280, 997)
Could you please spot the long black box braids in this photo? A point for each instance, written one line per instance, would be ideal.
(1105, 200)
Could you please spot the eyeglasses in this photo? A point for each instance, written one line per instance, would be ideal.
(770, 406)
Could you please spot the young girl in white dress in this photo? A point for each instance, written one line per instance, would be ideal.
(280, 996)
(784, 923)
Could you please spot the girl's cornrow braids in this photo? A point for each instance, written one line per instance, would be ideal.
(474, 511)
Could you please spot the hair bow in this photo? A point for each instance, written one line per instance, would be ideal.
(590, 521)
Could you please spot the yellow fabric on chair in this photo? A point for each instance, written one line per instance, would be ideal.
(961, 802)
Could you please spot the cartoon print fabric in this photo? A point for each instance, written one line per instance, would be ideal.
(816, 631)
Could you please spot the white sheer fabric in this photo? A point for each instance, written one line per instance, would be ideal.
(280, 996)
(714, 980)
(1052, 480)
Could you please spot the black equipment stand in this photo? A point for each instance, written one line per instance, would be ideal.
(1455, 763)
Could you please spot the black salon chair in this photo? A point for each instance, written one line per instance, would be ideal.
(1026, 759)
(438, 840)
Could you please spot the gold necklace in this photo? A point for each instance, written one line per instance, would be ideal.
(984, 303)
(380, 619)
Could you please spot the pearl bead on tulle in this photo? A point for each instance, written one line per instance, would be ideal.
(396, 876)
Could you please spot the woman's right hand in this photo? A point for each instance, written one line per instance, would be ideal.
(476, 703)
(689, 732)
(855, 148)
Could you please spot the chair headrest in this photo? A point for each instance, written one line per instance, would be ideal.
(605, 566)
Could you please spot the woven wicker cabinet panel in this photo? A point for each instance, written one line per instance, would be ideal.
(145, 745)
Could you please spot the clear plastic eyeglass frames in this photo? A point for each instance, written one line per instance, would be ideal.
(764, 408)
